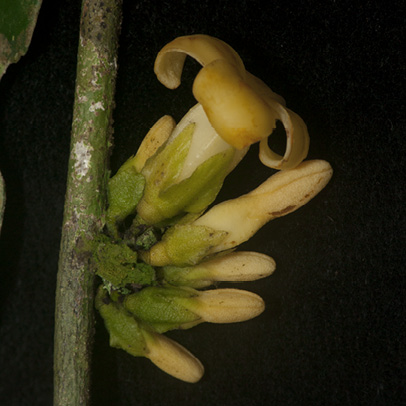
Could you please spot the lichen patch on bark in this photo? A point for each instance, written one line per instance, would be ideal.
(82, 154)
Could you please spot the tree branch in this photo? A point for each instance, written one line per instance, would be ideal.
(85, 197)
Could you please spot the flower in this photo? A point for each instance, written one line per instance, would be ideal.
(240, 107)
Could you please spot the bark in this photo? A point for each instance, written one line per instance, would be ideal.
(85, 198)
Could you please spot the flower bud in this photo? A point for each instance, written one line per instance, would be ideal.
(226, 305)
(173, 358)
(232, 222)
(129, 335)
(281, 194)
(232, 267)
(167, 308)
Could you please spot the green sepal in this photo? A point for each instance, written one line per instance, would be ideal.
(195, 193)
(159, 308)
(125, 190)
(165, 201)
(161, 171)
(190, 276)
(117, 265)
(187, 244)
(125, 332)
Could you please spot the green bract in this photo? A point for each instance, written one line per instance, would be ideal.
(125, 332)
(117, 265)
(125, 189)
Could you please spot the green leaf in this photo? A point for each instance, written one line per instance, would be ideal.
(17, 22)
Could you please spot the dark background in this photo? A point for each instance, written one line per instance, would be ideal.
(333, 332)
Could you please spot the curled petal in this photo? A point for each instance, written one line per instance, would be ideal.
(235, 110)
(173, 358)
(297, 141)
(244, 111)
(205, 49)
(227, 305)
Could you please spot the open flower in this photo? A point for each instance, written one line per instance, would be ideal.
(235, 110)
(240, 107)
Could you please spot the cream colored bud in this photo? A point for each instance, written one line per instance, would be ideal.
(235, 267)
(226, 305)
(173, 358)
(155, 137)
(281, 194)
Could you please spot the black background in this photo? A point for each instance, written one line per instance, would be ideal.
(333, 332)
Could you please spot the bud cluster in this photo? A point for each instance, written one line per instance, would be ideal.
(162, 247)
